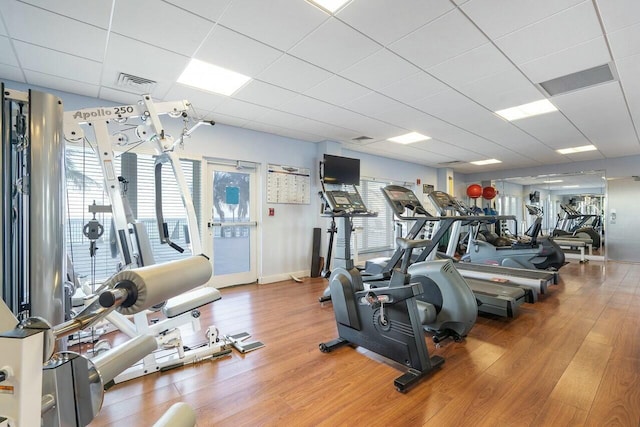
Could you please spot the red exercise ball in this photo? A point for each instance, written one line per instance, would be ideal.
(489, 193)
(474, 191)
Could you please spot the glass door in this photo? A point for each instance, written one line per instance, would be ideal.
(231, 201)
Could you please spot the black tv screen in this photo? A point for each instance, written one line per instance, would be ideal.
(341, 170)
(534, 197)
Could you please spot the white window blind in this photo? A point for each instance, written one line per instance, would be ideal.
(377, 232)
(85, 184)
(172, 207)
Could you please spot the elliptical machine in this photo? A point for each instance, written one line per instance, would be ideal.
(385, 320)
(534, 253)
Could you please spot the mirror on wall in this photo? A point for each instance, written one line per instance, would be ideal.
(570, 205)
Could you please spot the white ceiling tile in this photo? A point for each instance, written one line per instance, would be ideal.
(118, 96)
(305, 106)
(6, 53)
(300, 136)
(97, 13)
(200, 100)
(475, 64)
(366, 126)
(205, 8)
(47, 61)
(278, 23)
(452, 151)
(446, 37)
(7, 72)
(373, 104)
(293, 73)
(606, 121)
(629, 70)
(407, 152)
(223, 46)
(337, 90)
(617, 14)
(503, 90)
(563, 30)
(417, 86)
(160, 24)
(3, 30)
(386, 21)
(514, 139)
(279, 118)
(335, 133)
(553, 129)
(627, 149)
(58, 83)
(334, 46)
(33, 25)
(123, 55)
(264, 94)
(379, 70)
(625, 42)
(576, 58)
(455, 108)
(241, 109)
(409, 118)
(588, 155)
(225, 120)
(499, 17)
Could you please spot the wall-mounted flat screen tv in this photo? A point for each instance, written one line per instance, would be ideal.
(341, 170)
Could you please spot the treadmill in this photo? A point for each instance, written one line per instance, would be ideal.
(538, 280)
(502, 299)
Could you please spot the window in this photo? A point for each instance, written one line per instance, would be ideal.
(85, 184)
(377, 233)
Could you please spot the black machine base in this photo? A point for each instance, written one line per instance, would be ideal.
(405, 381)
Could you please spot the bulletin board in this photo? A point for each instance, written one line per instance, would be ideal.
(288, 184)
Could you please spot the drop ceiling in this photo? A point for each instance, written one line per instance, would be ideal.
(376, 68)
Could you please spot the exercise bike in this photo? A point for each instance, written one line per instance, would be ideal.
(385, 320)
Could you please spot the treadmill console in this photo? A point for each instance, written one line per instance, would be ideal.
(346, 203)
(444, 202)
(400, 199)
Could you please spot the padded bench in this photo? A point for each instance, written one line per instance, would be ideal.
(189, 301)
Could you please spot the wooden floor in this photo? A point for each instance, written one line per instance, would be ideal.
(573, 358)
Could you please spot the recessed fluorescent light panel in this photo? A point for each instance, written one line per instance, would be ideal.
(486, 162)
(577, 149)
(409, 138)
(553, 181)
(527, 110)
(570, 186)
(331, 6)
(209, 77)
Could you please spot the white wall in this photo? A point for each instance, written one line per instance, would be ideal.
(393, 170)
(286, 238)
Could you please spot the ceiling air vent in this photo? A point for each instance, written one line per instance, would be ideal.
(580, 80)
(451, 163)
(361, 139)
(135, 84)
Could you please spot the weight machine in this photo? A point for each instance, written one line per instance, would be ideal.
(68, 389)
(131, 236)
